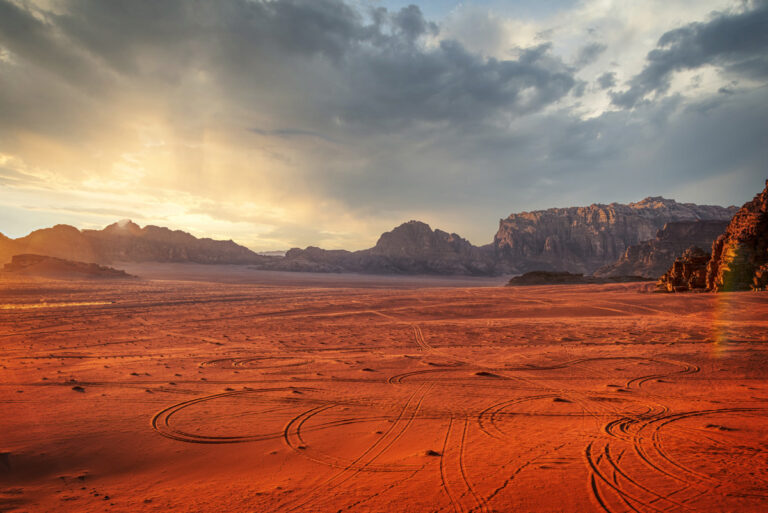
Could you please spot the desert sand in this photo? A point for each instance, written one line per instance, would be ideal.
(264, 395)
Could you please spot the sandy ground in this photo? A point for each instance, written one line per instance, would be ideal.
(199, 396)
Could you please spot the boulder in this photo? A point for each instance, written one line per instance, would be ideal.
(688, 272)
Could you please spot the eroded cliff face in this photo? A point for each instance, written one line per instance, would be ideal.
(652, 258)
(583, 239)
(688, 272)
(740, 255)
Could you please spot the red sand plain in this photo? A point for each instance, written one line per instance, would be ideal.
(380, 396)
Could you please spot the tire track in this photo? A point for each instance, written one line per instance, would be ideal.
(256, 362)
(161, 421)
(647, 444)
(364, 461)
(609, 476)
(453, 472)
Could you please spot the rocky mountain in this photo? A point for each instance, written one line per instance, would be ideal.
(125, 241)
(577, 240)
(59, 268)
(688, 272)
(583, 239)
(652, 258)
(740, 255)
(411, 248)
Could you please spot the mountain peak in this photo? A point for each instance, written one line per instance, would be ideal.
(654, 202)
(123, 227)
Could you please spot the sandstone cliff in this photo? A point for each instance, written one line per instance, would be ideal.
(652, 258)
(583, 239)
(740, 255)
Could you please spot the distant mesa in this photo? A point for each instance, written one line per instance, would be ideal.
(566, 278)
(739, 257)
(59, 268)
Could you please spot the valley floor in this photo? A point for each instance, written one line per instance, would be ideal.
(197, 396)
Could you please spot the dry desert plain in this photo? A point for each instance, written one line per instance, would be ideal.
(266, 392)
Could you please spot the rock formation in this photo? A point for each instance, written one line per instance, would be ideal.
(125, 241)
(740, 255)
(583, 239)
(564, 278)
(61, 241)
(415, 247)
(688, 272)
(653, 257)
(411, 248)
(52, 267)
(577, 240)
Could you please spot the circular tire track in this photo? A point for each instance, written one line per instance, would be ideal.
(264, 362)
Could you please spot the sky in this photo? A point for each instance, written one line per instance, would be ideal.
(287, 123)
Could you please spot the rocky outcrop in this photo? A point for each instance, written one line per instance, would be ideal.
(740, 255)
(125, 241)
(415, 247)
(688, 272)
(566, 278)
(59, 268)
(584, 239)
(654, 257)
(411, 248)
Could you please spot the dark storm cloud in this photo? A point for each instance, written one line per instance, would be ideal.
(372, 71)
(35, 41)
(449, 84)
(411, 23)
(589, 53)
(606, 80)
(556, 159)
(737, 43)
(124, 32)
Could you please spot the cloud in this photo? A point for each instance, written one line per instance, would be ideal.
(734, 42)
(606, 80)
(294, 122)
(589, 53)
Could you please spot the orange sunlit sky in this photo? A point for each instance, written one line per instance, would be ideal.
(325, 122)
